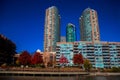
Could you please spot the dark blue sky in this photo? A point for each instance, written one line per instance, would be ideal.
(22, 21)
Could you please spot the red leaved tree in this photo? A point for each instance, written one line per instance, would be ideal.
(78, 59)
(25, 58)
(37, 58)
(63, 60)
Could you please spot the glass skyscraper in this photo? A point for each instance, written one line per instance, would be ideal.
(51, 29)
(70, 33)
(89, 28)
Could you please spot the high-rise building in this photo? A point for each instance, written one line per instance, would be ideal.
(51, 29)
(89, 27)
(62, 39)
(70, 33)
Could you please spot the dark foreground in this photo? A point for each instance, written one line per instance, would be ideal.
(81, 77)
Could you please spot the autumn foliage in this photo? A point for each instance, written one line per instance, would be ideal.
(37, 58)
(25, 58)
(87, 65)
(78, 59)
(63, 60)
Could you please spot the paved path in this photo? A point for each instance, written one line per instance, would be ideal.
(104, 73)
(33, 73)
(41, 73)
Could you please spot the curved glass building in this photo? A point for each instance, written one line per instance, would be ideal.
(70, 33)
(89, 28)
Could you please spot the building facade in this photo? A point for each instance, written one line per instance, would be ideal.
(62, 39)
(89, 27)
(51, 29)
(70, 33)
(66, 49)
(100, 54)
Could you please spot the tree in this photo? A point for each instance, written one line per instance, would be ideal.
(37, 58)
(63, 60)
(115, 69)
(7, 50)
(87, 65)
(25, 58)
(78, 59)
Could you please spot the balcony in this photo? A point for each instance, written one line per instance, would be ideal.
(57, 46)
(106, 59)
(75, 45)
(98, 54)
(90, 54)
(91, 50)
(118, 46)
(57, 56)
(90, 46)
(76, 49)
(106, 54)
(90, 58)
(106, 63)
(118, 55)
(105, 50)
(57, 49)
(57, 52)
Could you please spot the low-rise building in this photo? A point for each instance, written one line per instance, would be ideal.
(101, 54)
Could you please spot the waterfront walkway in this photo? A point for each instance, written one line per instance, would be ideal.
(29, 73)
(17, 71)
(104, 73)
(33, 73)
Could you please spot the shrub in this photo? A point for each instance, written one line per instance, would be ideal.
(115, 69)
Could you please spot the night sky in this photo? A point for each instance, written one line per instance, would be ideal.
(22, 21)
